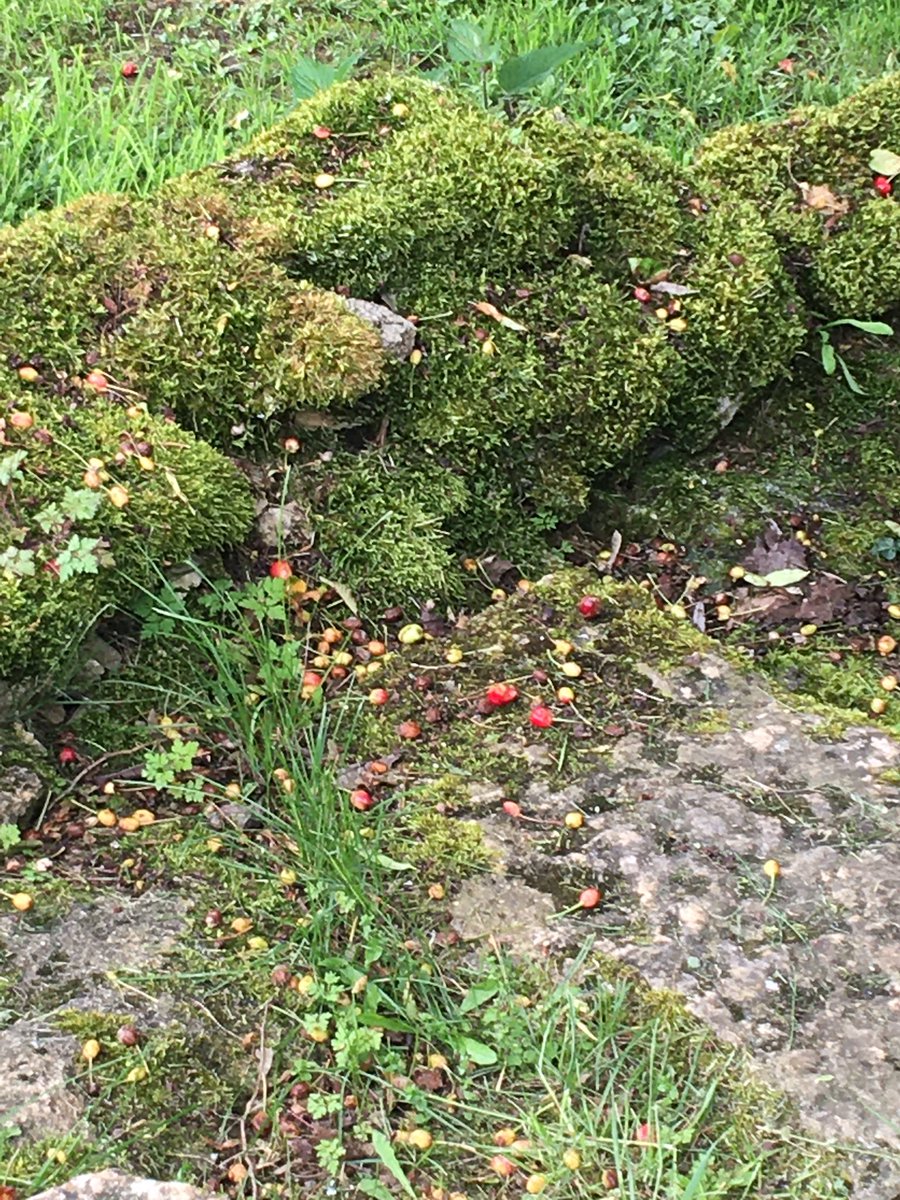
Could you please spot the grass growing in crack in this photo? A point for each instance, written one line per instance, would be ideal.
(209, 73)
(350, 1040)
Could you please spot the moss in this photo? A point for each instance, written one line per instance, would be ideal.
(439, 845)
(857, 272)
(74, 549)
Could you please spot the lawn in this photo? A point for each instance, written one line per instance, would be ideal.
(398, 1061)
(210, 72)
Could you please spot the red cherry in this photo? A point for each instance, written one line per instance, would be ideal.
(641, 293)
(589, 898)
(361, 799)
(97, 380)
(322, 132)
(541, 717)
(511, 808)
(378, 696)
(68, 755)
(590, 606)
(499, 694)
(883, 185)
(129, 69)
(312, 680)
(643, 1133)
(281, 569)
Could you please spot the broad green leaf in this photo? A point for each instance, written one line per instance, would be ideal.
(526, 71)
(755, 580)
(467, 43)
(81, 504)
(829, 359)
(370, 1186)
(878, 327)
(477, 1051)
(851, 381)
(885, 162)
(9, 466)
(477, 995)
(894, 527)
(77, 557)
(385, 1152)
(786, 577)
(391, 864)
(309, 76)
(17, 563)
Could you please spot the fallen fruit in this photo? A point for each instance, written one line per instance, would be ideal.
(281, 569)
(678, 611)
(68, 755)
(118, 496)
(361, 800)
(312, 680)
(609, 1178)
(886, 644)
(573, 820)
(809, 630)
(379, 696)
(29, 374)
(643, 1133)
(502, 1166)
(894, 611)
(106, 817)
(541, 717)
(241, 924)
(565, 695)
(589, 898)
(137, 1074)
(97, 380)
(888, 682)
(771, 869)
(128, 824)
(143, 816)
(129, 69)
(571, 670)
(90, 1050)
(500, 694)
(512, 810)
(421, 1139)
(641, 294)
(737, 572)
(409, 730)
(287, 876)
(877, 706)
(128, 1035)
(883, 185)
(323, 181)
(21, 420)
(21, 901)
(590, 606)
(410, 634)
(678, 325)
(562, 647)
(505, 1136)
(454, 654)
(535, 1184)
(321, 132)
(437, 891)
(572, 1160)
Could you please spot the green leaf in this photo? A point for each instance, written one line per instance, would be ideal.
(391, 864)
(9, 466)
(478, 1052)
(786, 577)
(370, 1186)
(885, 162)
(385, 1152)
(81, 504)
(345, 594)
(829, 359)
(525, 71)
(309, 76)
(467, 43)
(755, 580)
(16, 563)
(878, 327)
(894, 527)
(477, 995)
(851, 381)
(77, 557)
(9, 836)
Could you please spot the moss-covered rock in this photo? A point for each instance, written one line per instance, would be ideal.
(95, 495)
(515, 247)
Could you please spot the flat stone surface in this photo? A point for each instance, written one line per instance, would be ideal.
(35, 1060)
(803, 973)
(116, 1185)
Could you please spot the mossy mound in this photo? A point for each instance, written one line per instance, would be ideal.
(515, 247)
(95, 493)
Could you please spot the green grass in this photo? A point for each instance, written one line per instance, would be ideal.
(212, 72)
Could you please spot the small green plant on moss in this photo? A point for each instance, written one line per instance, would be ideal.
(162, 768)
(832, 359)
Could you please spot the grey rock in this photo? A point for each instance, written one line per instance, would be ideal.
(504, 910)
(278, 523)
(803, 974)
(398, 336)
(116, 1185)
(21, 791)
(35, 1061)
(113, 933)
